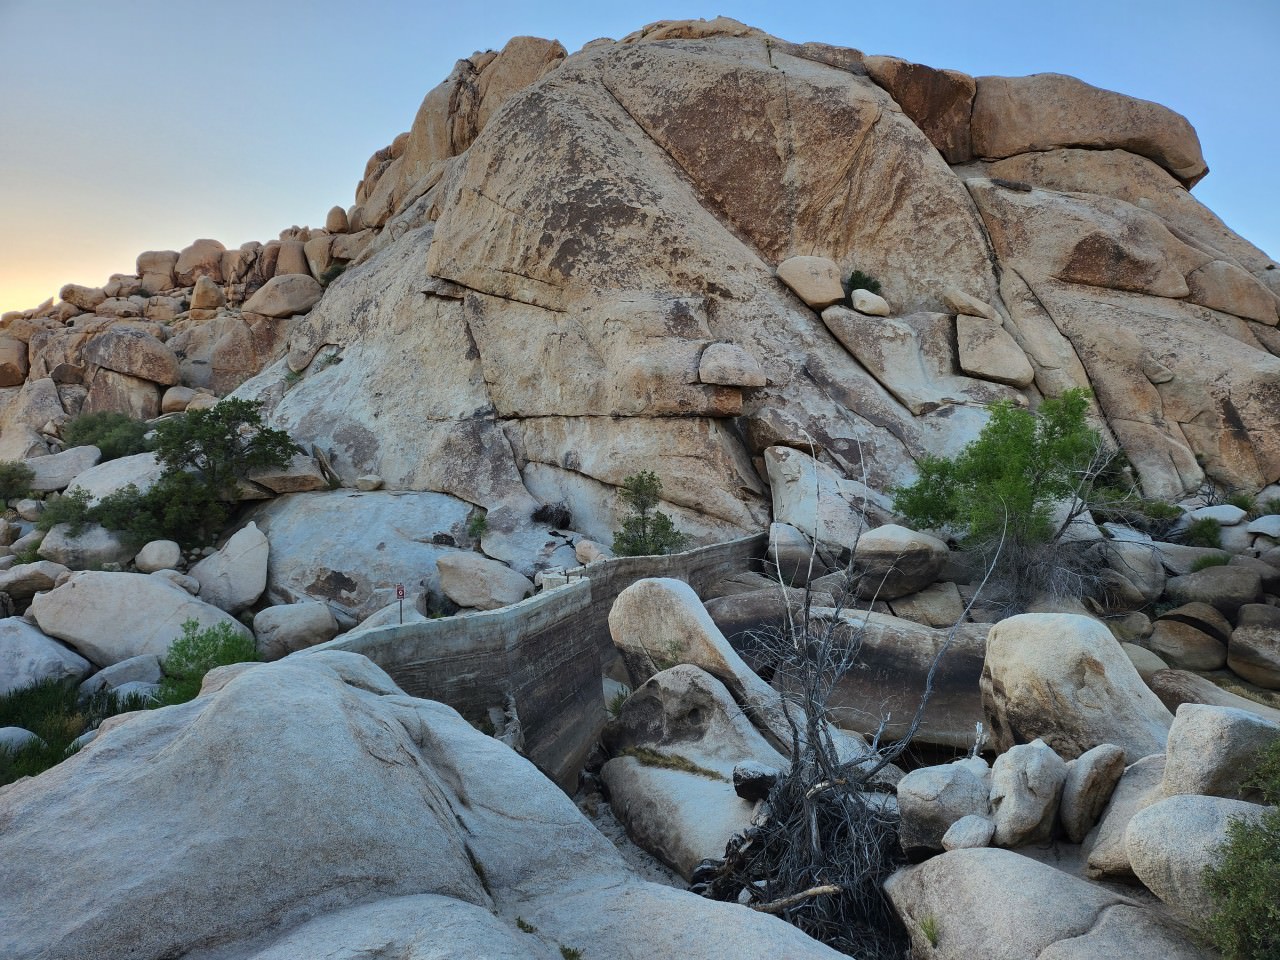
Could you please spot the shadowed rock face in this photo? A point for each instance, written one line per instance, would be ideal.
(577, 231)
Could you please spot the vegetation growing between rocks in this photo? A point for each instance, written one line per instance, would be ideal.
(1205, 532)
(205, 455)
(1246, 877)
(1000, 492)
(115, 434)
(1204, 563)
(197, 652)
(15, 479)
(647, 531)
(864, 281)
(669, 761)
(53, 711)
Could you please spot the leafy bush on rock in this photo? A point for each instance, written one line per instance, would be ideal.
(15, 479)
(115, 434)
(197, 652)
(1246, 877)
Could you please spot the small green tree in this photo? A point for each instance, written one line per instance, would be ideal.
(1000, 490)
(15, 479)
(197, 652)
(647, 531)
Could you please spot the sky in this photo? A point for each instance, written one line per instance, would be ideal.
(131, 125)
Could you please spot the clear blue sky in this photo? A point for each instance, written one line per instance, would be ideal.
(143, 124)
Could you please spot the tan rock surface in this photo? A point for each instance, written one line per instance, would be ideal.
(285, 294)
(987, 352)
(203, 258)
(939, 102)
(815, 280)
(1013, 115)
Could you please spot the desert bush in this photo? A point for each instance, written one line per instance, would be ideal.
(647, 531)
(555, 515)
(1205, 532)
(53, 711)
(115, 434)
(15, 479)
(863, 281)
(205, 454)
(999, 491)
(1240, 499)
(1204, 563)
(1246, 875)
(197, 652)
(71, 508)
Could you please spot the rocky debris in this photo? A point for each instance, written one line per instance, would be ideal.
(234, 578)
(1063, 678)
(752, 780)
(14, 364)
(287, 628)
(286, 294)
(1170, 844)
(815, 280)
(158, 555)
(658, 623)
(1026, 789)
(1091, 779)
(109, 617)
(1214, 750)
(56, 471)
(1140, 786)
(1000, 905)
(869, 304)
(937, 605)
(1254, 650)
(370, 481)
(933, 800)
(28, 657)
(85, 298)
(892, 561)
(1176, 687)
(474, 580)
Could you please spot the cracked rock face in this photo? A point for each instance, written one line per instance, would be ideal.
(565, 240)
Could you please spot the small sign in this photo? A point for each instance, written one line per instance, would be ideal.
(399, 591)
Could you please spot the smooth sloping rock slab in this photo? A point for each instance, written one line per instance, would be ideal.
(474, 580)
(384, 538)
(57, 470)
(1214, 750)
(399, 798)
(109, 617)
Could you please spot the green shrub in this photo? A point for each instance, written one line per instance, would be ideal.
(205, 454)
(647, 531)
(999, 491)
(477, 525)
(72, 508)
(1204, 563)
(1205, 532)
(863, 281)
(1271, 507)
(1245, 877)
(617, 700)
(52, 711)
(115, 434)
(197, 652)
(15, 479)
(1242, 500)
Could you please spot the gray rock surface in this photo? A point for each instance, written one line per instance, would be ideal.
(933, 799)
(1140, 786)
(1026, 787)
(1170, 844)
(412, 801)
(1214, 750)
(283, 629)
(1091, 779)
(233, 578)
(474, 580)
(28, 657)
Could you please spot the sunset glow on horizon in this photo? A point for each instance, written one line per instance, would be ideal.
(144, 125)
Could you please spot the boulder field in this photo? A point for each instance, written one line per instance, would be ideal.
(777, 275)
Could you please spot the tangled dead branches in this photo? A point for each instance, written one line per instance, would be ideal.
(827, 837)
